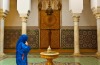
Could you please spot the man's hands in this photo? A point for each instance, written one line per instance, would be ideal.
(22, 56)
(26, 43)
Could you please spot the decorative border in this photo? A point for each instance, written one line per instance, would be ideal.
(12, 34)
(87, 35)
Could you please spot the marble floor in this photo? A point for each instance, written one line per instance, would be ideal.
(63, 58)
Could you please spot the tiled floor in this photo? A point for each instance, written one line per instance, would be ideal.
(83, 60)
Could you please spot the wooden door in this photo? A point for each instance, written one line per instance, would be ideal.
(45, 38)
(55, 39)
(49, 23)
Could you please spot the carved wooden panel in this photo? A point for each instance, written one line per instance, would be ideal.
(50, 21)
(54, 4)
(45, 38)
(44, 42)
(55, 38)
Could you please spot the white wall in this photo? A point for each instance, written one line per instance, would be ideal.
(76, 6)
(1, 4)
(23, 6)
(13, 18)
(66, 15)
(33, 18)
(6, 4)
(87, 17)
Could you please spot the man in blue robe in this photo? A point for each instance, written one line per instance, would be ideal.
(22, 50)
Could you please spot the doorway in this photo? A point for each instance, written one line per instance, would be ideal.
(50, 29)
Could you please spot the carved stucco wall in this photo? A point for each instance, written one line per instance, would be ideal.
(53, 3)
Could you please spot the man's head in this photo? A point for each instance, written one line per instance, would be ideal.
(23, 38)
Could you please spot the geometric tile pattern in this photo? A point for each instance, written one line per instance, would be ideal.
(33, 38)
(87, 38)
(67, 38)
(11, 36)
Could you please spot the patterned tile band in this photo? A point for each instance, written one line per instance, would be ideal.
(12, 35)
(88, 38)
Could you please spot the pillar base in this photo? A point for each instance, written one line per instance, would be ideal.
(98, 53)
(2, 54)
(77, 54)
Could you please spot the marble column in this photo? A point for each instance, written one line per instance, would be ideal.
(98, 33)
(76, 35)
(24, 25)
(2, 17)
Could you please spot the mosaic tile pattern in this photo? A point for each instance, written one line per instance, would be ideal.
(67, 38)
(33, 39)
(12, 35)
(88, 38)
(10, 38)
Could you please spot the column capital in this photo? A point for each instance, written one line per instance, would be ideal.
(24, 19)
(97, 15)
(76, 17)
(96, 10)
(3, 14)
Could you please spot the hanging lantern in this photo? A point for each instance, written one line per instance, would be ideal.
(49, 10)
